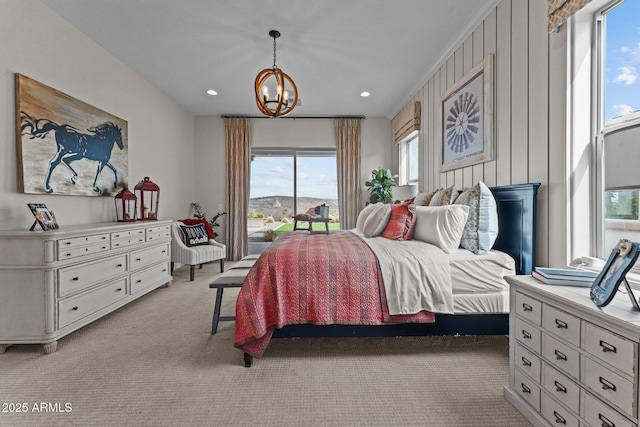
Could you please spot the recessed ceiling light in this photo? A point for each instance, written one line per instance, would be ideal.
(212, 92)
(365, 94)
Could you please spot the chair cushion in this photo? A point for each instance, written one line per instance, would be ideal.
(195, 235)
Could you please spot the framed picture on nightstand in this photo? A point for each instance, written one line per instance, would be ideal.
(623, 257)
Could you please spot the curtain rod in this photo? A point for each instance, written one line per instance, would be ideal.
(233, 116)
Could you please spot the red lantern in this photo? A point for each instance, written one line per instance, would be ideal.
(126, 205)
(149, 196)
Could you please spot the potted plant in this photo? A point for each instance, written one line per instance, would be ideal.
(380, 185)
(255, 220)
(198, 213)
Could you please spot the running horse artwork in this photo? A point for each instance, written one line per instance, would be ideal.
(66, 146)
(74, 145)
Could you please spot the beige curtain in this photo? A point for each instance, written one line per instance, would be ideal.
(559, 11)
(348, 159)
(406, 122)
(238, 157)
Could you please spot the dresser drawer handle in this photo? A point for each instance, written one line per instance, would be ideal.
(527, 307)
(606, 347)
(560, 387)
(525, 389)
(164, 252)
(75, 279)
(605, 421)
(74, 308)
(138, 259)
(607, 385)
(164, 270)
(559, 419)
(119, 265)
(560, 324)
(67, 254)
(560, 355)
(67, 243)
(119, 289)
(526, 334)
(525, 361)
(138, 281)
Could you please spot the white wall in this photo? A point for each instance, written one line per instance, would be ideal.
(40, 44)
(279, 133)
(529, 132)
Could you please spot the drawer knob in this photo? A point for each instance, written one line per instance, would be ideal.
(118, 265)
(164, 270)
(605, 421)
(527, 307)
(67, 243)
(138, 281)
(607, 385)
(559, 387)
(525, 389)
(75, 308)
(75, 279)
(525, 361)
(164, 252)
(526, 334)
(67, 254)
(560, 355)
(606, 347)
(138, 259)
(560, 324)
(119, 289)
(559, 419)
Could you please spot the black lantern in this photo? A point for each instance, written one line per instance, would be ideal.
(149, 195)
(126, 205)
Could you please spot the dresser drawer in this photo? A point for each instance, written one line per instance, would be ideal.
(145, 278)
(556, 414)
(528, 308)
(121, 243)
(71, 279)
(75, 308)
(563, 389)
(527, 389)
(597, 414)
(144, 257)
(527, 362)
(76, 242)
(609, 385)
(561, 324)
(156, 233)
(610, 348)
(74, 252)
(561, 356)
(528, 335)
(128, 234)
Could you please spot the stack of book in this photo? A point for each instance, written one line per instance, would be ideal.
(564, 276)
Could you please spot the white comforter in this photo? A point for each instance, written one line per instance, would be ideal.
(416, 275)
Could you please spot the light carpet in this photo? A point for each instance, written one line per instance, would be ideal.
(154, 363)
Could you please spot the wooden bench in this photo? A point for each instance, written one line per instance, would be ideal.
(231, 278)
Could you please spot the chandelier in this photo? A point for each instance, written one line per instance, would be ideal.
(281, 83)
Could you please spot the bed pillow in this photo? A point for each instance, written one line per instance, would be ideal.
(481, 230)
(423, 199)
(377, 220)
(401, 222)
(195, 235)
(364, 214)
(441, 226)
(444, 196)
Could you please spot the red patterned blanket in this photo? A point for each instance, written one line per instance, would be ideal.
(322, 279)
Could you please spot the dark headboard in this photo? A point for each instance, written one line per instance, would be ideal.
(517, 223)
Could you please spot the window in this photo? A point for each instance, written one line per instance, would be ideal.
(285, 182)
(409, 160)
(617, 64)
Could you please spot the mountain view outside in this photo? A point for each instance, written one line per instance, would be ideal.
(274, 184)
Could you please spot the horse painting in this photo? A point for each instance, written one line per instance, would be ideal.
(74, 145)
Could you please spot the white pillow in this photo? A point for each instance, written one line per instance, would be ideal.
(377, 220)
(363, 215)
(441, 225)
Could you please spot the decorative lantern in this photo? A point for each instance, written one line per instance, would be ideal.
(149, 195)
(126, 205)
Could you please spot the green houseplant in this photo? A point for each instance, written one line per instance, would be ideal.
(380, 185)
(198, 213)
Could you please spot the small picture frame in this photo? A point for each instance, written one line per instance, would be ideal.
(43, 216)
(623, 257)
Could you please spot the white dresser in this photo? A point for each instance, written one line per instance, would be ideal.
(571, 362)
(54, 282)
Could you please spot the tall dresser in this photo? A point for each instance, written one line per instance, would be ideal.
(54, 282)
(571, 362)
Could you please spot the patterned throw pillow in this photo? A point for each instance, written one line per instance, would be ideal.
(195, 235)
(194, 221)
(402, 221)
(481, 229)
(423, 199)
(444, 196)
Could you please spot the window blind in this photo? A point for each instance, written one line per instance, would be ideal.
(406, 122)
(621, 154)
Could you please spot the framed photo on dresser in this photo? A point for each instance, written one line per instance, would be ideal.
(43, 216)
(623, 257)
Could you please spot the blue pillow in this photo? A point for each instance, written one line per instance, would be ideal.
(481, 230)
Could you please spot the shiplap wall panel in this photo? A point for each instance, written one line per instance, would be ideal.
(519, 91)
(539, 121)
(529, 115)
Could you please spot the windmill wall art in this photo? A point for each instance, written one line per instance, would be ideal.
(66, 146)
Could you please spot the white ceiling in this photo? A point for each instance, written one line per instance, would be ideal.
(332, 49)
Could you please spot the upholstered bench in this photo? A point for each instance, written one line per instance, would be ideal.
(232, 278)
